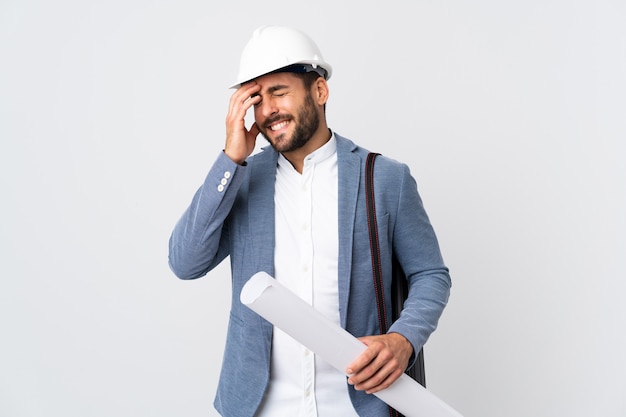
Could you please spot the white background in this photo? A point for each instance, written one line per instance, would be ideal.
(510, 114)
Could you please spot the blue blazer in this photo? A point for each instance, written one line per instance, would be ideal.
(232, 214)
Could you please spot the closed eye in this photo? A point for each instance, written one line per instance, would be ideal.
(276, 91)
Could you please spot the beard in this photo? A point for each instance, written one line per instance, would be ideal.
(308, 122)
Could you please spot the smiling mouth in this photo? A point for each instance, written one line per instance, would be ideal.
(278, 126)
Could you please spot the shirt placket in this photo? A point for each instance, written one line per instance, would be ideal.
(306, 288)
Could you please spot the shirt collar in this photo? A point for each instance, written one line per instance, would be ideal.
(324, 152)
(320, 154)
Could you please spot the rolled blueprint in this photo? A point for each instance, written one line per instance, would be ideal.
(285, 310)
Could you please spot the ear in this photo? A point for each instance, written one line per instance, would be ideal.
(319, 91)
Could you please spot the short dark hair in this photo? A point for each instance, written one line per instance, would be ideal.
(308, 78)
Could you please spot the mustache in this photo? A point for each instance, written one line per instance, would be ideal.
(276, 118)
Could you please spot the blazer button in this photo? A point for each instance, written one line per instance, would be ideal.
(220, 188)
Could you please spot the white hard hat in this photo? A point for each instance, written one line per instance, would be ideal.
(275, 47)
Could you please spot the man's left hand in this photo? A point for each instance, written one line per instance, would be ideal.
(385, 360)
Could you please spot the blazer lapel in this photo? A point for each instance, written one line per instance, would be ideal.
(349, 171)
(261, 209)
(261, 218)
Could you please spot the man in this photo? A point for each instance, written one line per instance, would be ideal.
(297, 211)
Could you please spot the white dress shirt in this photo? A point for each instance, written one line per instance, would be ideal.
(306, 258)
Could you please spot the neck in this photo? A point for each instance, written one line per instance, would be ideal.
(319, 139)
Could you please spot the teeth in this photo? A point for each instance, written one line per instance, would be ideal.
(278, 126)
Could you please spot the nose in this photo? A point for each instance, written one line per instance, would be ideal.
(266, 108)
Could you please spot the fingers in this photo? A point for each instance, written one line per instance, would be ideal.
(239, 141)
(364, 358)
(379, 381)
(381, 364)
(373, 370)
(240, 101)
(254, 130)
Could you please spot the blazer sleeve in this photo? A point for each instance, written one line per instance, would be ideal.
(416, 247)
(200, 240)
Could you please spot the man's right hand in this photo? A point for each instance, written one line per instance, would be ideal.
(240, 141)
